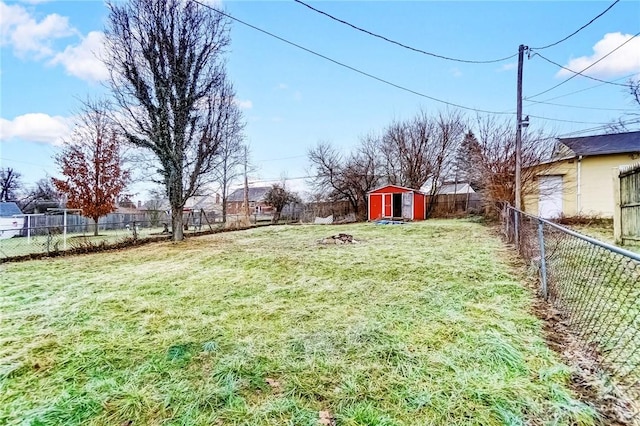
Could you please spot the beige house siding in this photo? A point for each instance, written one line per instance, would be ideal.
(597, 183)
(594, 195)
(564, 168)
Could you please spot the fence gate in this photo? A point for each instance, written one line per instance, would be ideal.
(628, 215)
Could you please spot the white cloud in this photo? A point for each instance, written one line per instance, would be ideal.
(246, 104)
(83, 60)
(297, 95)
(36, 127)
(282, 86)
(508, 67)
(456, 72)
(26, 35)
(623, 61)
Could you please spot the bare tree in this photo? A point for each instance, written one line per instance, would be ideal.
(634, 90)
(421, 151)
(278, 197)
(490, 153)
(229, 169)
(346, 178)
(9, 184)
(42, 196)
(406, 147)
(628, 121)
(169, 79)
(449, 133)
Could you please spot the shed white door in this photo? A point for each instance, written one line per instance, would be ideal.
(550, 198)
(407, 205)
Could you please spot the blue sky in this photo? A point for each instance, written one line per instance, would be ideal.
(292, 99)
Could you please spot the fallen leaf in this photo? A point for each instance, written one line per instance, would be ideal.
(326, 419)
(274, 384)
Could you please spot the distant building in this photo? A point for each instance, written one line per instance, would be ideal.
(578, 180)
(11, 220)
(257, 205)
(453, 188)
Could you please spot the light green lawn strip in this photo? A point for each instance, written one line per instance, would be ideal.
(416, 324)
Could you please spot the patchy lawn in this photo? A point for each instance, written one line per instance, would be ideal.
(416, 324)
(603, 231)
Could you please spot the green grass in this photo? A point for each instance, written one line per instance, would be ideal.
(417, 324)
(604, 232)
(21, 246)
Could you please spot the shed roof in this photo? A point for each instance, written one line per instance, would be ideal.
(396, 187)
(615, 143)
(256, 193)
(8, 209)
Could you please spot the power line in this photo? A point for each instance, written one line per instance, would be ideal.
(435, 55)
(366, 74)
(586, 68)
(585, 89)
(603, 127)
(578, 73)
(581, 107)
(565, 121)
(579, 29)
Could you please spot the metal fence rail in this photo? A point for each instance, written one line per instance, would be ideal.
(594, 284)
(53, 239)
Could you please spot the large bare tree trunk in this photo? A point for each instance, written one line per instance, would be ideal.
(169, 80)
(177, 224)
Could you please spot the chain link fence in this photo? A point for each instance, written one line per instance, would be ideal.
(57, 233)
(596, 286)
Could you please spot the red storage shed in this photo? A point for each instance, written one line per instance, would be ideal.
(396, 202)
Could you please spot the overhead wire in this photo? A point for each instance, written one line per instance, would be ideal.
(582, 107)
(387, 82)
(584, 69)
(422, 94)
(565, 121)
(582, 90)
(579, 29)
(598, 128)
(405, 46)
(577, 72)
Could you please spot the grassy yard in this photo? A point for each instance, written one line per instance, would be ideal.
(604, 232)
(416, 324)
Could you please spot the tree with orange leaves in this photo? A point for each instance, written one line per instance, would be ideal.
(91, 164)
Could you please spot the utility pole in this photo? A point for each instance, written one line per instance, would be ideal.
(246, 188)
(518, 186)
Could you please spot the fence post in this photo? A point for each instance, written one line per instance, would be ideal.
(617, 213)
(543, 261)
(64, 237)
(516, 228)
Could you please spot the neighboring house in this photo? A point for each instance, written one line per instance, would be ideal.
(208, 203)
(257, 205)
(396, 202)
(455, 189)
(11, 220)
(578, 180)
(456, 198)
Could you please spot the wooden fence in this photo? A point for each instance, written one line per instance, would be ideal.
(626, 218)
(456, 205)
